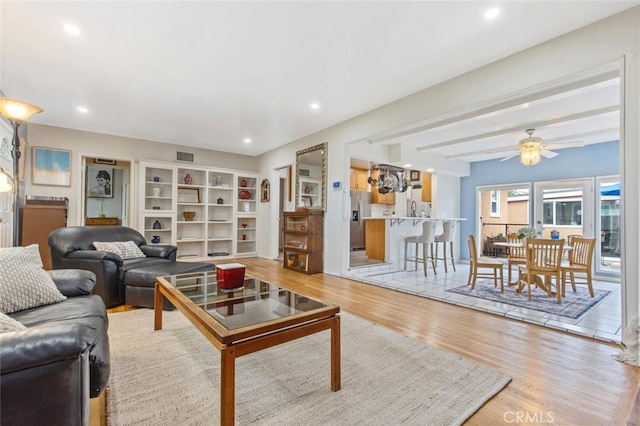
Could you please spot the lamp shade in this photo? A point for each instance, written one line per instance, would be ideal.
(5, 185)
(17, 111)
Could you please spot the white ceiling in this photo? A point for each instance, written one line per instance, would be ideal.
(210, 74)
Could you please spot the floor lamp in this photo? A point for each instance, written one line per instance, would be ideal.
(16, 112)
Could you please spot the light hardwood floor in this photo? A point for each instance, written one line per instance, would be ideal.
(558, 378)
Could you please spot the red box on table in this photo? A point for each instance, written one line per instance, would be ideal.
(230, 276)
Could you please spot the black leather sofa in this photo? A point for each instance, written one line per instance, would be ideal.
(72, 247)
(118, 281)
(49, 372)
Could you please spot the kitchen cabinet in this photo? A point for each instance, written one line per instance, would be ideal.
(426, 187)
(303, 241)
(375, 238)
(378, 198)
(358, 180)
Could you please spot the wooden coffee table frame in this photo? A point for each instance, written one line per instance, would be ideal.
(233, 344)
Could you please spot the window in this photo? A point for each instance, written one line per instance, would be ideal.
(563, 212)
(495, 203)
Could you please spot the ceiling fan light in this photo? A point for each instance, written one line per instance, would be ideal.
(530, 154)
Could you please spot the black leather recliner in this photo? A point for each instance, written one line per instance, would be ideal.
(49, 372)
(72, 247)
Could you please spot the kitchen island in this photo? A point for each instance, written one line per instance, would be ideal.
(385, 236)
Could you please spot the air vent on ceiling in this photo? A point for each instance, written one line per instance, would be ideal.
(187, 157)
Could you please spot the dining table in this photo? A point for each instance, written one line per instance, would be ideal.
(537, 279)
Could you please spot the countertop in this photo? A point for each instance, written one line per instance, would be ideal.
(413, 218)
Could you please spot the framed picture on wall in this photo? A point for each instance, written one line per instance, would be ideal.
(99, 182)
(414, 175)
(51, 167)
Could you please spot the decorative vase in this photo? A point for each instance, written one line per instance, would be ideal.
(555, 235)
(218, 181)
(243, 183)
(188, 179)
(245, 195)
(155, 239)
(156, 178)
(157, 191)
(220, 200)
(157, 225)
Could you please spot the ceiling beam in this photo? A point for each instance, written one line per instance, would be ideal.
(515, 148)
(520, 129)
(513, 100)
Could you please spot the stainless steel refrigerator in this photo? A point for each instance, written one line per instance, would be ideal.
(360, 207)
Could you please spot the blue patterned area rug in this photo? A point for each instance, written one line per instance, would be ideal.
(573, 305)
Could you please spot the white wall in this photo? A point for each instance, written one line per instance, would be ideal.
(97, 145)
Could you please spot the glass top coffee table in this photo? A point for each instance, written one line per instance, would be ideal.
(257, 316)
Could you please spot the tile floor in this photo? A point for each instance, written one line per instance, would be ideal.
(602, 322)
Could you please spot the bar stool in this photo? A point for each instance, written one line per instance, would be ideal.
(447, 236)
(426, 239)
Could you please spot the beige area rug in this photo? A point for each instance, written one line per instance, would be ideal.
(172, 377)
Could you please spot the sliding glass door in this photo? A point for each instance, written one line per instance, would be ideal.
(566, 207)
(503, 209)
(607, 260)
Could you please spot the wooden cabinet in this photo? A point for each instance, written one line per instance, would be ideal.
(358, 180)
(375, 238)
(38, 220)
(303, 241)
(101, 221)
(426, 187)
(378, 198)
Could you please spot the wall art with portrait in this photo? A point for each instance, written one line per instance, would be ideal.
(99, 182)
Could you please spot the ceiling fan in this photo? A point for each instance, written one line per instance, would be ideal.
(531, 148)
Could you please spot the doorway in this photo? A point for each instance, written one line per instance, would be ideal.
(285, 202)
(105, 192)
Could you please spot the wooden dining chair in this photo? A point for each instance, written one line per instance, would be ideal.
(544, 260)
(517, 255)
(483, 263)
(580, 261)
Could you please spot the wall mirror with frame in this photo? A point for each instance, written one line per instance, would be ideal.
(311, 177)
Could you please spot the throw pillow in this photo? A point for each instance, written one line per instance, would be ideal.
(124, 249)
(8, 324)
(24, 284)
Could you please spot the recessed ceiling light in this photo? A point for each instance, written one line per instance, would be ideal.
(83, 110)
(406, 166)
(314, 105)
(247, 140)
(491, 13)
(430, 170)
(71, 29)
